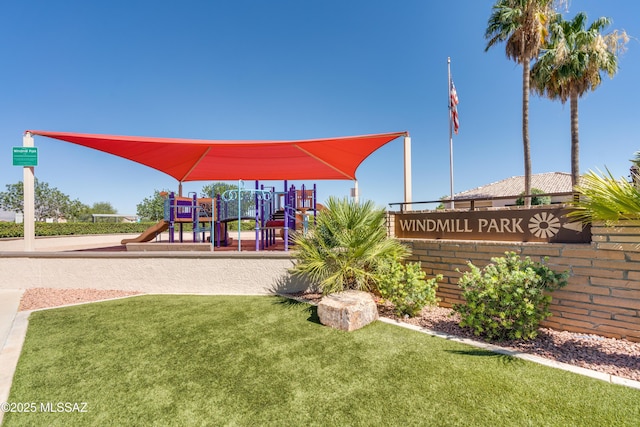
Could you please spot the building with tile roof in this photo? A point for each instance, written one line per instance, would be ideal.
(550, 182)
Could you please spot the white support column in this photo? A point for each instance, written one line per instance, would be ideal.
(407, 172)
(355, 192)
(28, 182)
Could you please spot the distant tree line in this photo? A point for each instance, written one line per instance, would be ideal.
(53, 205)
(152, 207)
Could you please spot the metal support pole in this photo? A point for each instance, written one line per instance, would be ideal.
(218, 222)
(172, 216)
(194, 217)
(257, 200)
(450, 136)
(315, 204)
(240, 186)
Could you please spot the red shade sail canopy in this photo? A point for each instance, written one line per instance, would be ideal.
(202, 160)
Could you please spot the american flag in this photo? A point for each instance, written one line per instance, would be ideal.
(453, 102)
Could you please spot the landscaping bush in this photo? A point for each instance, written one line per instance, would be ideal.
(10, 229)
(246, 225)
(535, 200)
(404, 285)
(508, 298)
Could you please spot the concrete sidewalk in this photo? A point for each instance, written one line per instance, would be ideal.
(12, 330)
(9, 303)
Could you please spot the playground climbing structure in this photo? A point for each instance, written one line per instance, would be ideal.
(273, 212)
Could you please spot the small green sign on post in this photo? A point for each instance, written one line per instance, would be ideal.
(25, 156)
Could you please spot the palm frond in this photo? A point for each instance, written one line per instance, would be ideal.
(605, 198)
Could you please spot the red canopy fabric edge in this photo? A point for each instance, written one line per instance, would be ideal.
(56, 135)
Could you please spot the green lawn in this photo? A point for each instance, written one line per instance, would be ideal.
(212, 360)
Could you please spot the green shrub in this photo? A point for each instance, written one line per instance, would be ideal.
(404, 285)
(535, 200)
(508, 298)
(10, 229)
(245, 224)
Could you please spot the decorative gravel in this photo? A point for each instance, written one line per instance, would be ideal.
(608, 355)
(36, 298)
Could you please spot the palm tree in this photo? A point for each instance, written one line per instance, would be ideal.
(521, 24)
(347, 247)
(572, 63)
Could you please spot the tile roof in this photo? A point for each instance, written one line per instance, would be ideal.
(550, 182)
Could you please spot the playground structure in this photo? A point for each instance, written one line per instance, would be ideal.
(276, 214)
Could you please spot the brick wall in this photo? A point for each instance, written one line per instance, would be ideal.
(603, 294)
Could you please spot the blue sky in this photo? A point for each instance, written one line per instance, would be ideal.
(291, 69)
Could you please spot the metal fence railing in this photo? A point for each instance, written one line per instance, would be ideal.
(472, 200)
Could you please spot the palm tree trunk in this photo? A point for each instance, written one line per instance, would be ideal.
(575, 141)
(525, 131)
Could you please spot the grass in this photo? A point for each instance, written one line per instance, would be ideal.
(200, 360)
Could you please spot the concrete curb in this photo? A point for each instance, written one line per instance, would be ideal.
(9, 304)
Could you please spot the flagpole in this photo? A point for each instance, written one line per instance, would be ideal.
(450, 136)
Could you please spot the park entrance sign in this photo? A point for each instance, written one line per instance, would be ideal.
(25, 156)
(548, 224)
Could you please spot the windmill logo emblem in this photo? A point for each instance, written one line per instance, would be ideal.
(544, 225)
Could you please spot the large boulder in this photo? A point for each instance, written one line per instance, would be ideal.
(348, 310)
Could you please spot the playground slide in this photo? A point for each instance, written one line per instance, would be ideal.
(149, 234)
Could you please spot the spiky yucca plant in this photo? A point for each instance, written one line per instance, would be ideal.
(605, 198)
(345, 248)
